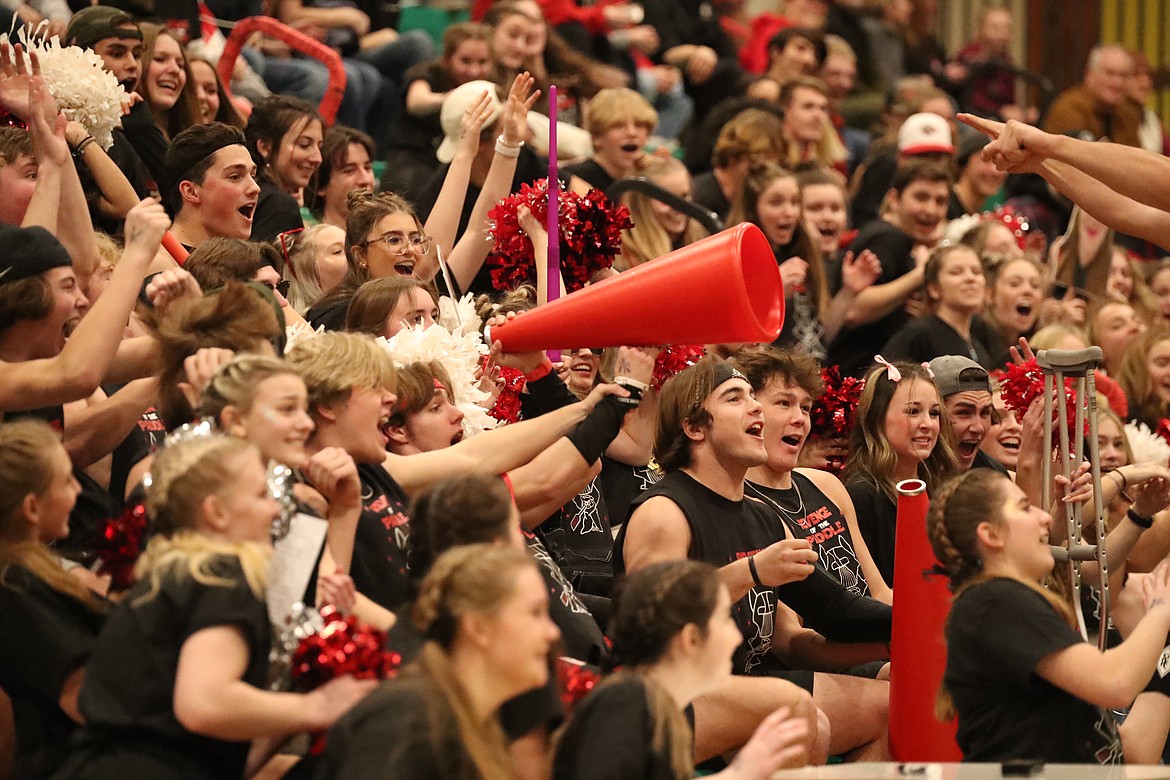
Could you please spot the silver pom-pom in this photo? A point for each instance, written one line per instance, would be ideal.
(302, 621)
(280, 484)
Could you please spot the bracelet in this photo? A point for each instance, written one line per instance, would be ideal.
(1124, 481)
(1144, 523)
(504, 149)
(755, 572)
(540, 372)
(80, 148)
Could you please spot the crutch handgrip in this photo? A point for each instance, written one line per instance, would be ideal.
(1079, 552)
(1071, 362)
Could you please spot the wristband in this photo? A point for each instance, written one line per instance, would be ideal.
(597, 431)
(635, 389)
(80, 148)
(755, 572)
(540, 372)
(504, 149)
(1144, 523)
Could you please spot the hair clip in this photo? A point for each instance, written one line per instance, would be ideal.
(926, 368)
(892, 372)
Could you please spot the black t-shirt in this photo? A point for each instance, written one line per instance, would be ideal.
(128, 698)
(611, 737)
(148, 142)
(580, 633)
(877, 518)
(143, 439)
(819, 521)
(985, 461)
(705, 191)
(925, 338)
(49, 636)
(591, 172)
(854, 348)
(580, 537)
(379, 546)
(998, 631)
(276, 211)
(622, 483)
(404, 729)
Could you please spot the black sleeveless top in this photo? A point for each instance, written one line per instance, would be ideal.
(579, 536)
(809, 514)
(379, 546)
(724, 531)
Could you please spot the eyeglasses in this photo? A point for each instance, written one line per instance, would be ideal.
(400, 245)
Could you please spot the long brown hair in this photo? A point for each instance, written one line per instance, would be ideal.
(957, 509)
(476, 578)
(26, 467)
(761, 176)
(1134, 377)
(185, 113)
(872, 458)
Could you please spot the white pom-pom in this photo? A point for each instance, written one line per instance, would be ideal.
(297, 332)
(958, 227)
(459, 354)
(459, 316)
(77, 79)
(1146, 446)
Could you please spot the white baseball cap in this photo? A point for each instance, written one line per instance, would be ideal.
(922, 133)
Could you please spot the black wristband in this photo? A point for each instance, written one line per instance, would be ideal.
(1145, 523)
(597, 431)
(755, 572)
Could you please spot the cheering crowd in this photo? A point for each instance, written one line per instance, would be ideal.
(273, 503)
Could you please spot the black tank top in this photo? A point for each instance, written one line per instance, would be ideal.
(809, 514)
(722, 532)
(379, 546)
(580, 538)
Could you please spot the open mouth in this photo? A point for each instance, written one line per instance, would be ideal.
(923, 442)
(1025, 308)
(630, 147)
(1010, 443)
(168, 84)
(247, 210)
(404, 267)
(458, 437)
(792, 440)
(967, 449)
(581, 368)
(756, 429)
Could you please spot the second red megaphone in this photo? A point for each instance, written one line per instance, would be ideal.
(725, 288)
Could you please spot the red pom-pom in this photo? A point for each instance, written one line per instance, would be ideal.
(673, 360)
(834, 409)
(1163, 430)
(119, 544)
(1023, 383)
(591, 236)
(507, 406)
(342, 647)
(574, 681)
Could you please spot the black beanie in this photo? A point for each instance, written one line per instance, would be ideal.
(30, 251)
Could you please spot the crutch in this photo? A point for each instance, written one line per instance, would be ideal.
(1056, 364)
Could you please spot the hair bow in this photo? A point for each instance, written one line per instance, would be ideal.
(892, 372)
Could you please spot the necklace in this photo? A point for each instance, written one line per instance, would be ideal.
(788, 514)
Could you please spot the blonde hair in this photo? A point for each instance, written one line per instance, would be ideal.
(616, 105)
(647, 240)
(235, 383)
(182, 476)
(334, 364)
(1134, 376)
(300, 267)
(477, 578)
(26, 467)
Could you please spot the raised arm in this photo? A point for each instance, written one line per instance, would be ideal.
(472, 249)
(443, 221)
(83, 363)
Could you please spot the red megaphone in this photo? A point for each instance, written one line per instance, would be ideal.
(723, 289)
(918, 648)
